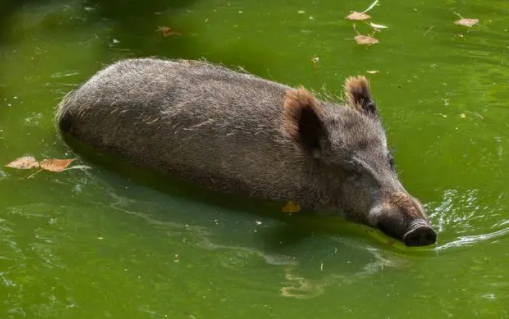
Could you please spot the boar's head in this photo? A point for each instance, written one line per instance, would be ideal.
(349, 159)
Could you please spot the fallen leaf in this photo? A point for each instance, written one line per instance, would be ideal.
(166, 31)
(467, 22)
(315, 60)
(55, 165)
(365, 39)
(25, 162)
(373, 72)
(291, 207)
(462, 115)
(358, 16)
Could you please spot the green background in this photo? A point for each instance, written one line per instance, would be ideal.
(104, 243)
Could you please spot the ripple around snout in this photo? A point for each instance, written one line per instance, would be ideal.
(462, 214)
(467, 241)
(372, 238)
(378, 239)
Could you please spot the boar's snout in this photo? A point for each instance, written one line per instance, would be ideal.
(420, 234)
(402, 217)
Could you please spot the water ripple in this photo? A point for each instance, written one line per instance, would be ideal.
(471, 240)
(461, 213)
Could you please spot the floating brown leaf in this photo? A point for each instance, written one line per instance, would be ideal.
(291, 207)
(358, 16)
(166, 31)
(55, 165)
(467, 22)
(365, 39)
(25, 162)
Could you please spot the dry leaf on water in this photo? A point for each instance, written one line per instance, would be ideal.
(52, 165)
(358, 16)
(373, 71)
(365, 39)
(467, 22)
(55, 165)
(25, 162)
(166, 31)
(291, 207)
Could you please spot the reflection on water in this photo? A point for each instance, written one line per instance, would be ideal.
(294, 283)
(301, 287)
(81, 246)
(55, 250)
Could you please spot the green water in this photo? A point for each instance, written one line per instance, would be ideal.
(97, 243)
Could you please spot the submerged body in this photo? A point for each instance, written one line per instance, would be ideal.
(240, 134)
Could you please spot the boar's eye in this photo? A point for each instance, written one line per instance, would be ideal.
(391, 161)
(352, 169)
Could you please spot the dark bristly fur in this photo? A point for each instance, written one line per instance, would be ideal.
(241, 134)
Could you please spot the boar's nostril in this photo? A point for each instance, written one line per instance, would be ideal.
(420, 236)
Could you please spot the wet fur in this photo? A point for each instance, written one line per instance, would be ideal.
(237, 133)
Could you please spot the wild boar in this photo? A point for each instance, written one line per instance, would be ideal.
(241, 134)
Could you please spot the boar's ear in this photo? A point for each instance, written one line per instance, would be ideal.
(303, 121)
(358, 95)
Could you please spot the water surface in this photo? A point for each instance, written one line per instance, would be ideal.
(100, 243)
